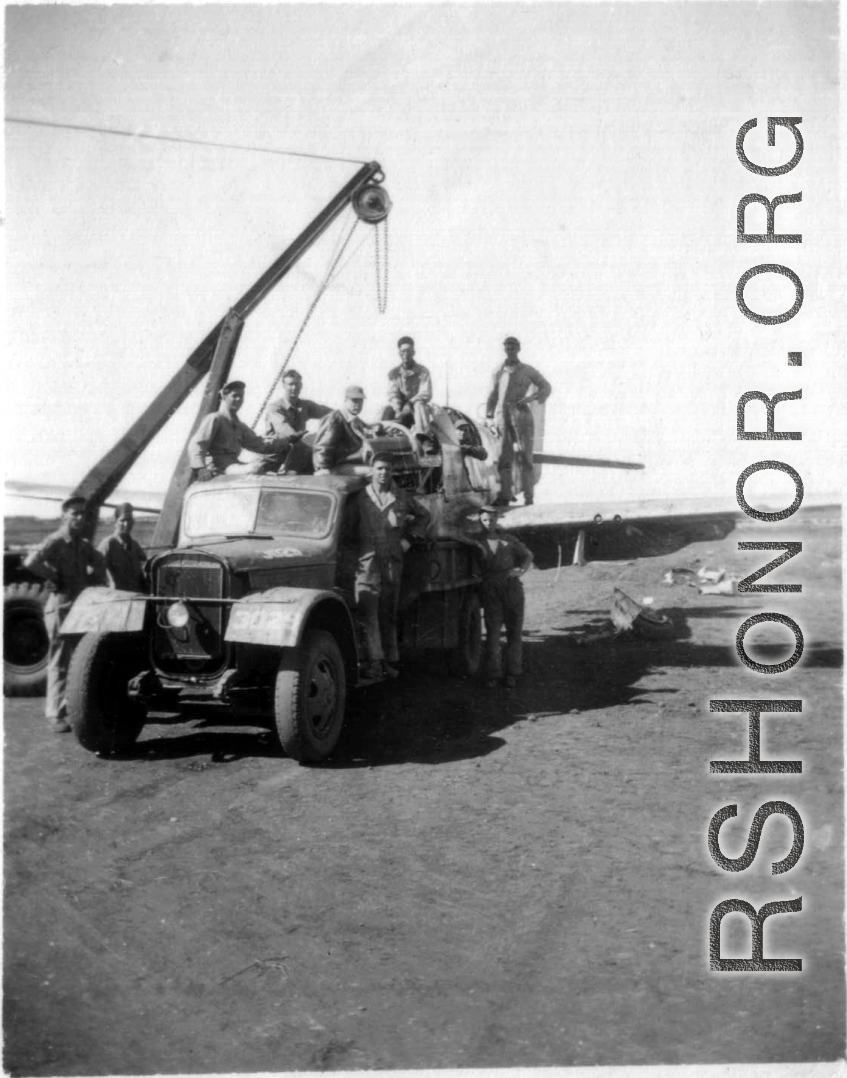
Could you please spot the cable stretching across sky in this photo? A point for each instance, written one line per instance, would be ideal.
(176, 138)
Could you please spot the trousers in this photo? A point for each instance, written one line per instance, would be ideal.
(503, 606)
(58, 660)
(379, 604)
(516, 452)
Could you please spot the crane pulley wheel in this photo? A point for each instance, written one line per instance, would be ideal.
(371, 203)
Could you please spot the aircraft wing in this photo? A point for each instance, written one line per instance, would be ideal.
(622, 531)
(142, 501)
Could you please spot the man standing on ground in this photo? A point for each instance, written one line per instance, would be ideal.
(504, 561)
(509, 417)
(217, 443)
(386, 516)
(123, 556)
(287, 416)
(69, 564)
(340, 439)
(409, 390)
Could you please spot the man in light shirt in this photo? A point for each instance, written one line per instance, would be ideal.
(514, 386)
(215, 448)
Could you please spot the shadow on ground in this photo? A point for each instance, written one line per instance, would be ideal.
(427, 717)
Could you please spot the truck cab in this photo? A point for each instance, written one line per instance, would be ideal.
(254, 609)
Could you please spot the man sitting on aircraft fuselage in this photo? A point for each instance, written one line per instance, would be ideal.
(217, 444)
(287, 417)
(409, 390)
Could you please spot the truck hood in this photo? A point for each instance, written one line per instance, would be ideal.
(244, 555)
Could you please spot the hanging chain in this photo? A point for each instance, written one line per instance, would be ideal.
(381, 266)
(305, 322)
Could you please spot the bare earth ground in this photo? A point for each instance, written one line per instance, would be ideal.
(477, 878)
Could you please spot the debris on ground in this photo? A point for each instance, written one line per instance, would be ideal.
(629, 617)
(680, 576)
(701, 579)
(729, 586)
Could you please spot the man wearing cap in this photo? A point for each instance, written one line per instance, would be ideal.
(287, 416)
(69, 564)
(386, 518)
(409, 390)
(124, 556)
(217, 443)
(504, 561)
(509, 417)
(340, 439)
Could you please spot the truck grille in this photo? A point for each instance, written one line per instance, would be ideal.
(198, 648)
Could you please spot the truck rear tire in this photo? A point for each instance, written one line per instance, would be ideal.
(103, 716)
(310, 697)
(25, 640)
(464, 660)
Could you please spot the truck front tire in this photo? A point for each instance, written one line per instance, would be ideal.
(310, 697)
(102, 714)
(25, 640)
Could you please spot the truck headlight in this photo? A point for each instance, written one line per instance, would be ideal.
(178, 615)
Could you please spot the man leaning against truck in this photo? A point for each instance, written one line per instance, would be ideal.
(69, 564)
(387, 518)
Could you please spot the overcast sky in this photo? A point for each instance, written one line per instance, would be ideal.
(562, 172)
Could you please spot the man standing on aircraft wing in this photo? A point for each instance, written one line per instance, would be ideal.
(287, 416)
(504, 561)
(386, 516)
(69, 564)
(217, 443)
(340, 439)
(123, 555)
(509, 417)
(409, 390)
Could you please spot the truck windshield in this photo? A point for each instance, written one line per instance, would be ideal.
(243, 512)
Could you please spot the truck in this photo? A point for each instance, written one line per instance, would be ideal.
(254, 611)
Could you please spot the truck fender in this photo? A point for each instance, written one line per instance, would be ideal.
(104, 610)
(279, 616)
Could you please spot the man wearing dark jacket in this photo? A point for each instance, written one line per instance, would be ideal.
(340, 439)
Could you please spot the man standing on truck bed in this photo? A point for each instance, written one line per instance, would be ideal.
(504, 560)
(386, 516)
(340, 439)
(69, 564)
(509, 417)
(216, 445)
(123, 555)
(287, 416)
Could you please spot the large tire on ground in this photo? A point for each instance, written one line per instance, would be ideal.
(103, 716)
(25, 640)
(310, 696)
(464, 660)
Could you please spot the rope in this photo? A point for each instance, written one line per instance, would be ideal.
(321, 289)
(175, 138)
(381, 278)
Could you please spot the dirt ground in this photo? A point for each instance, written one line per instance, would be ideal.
(477, 878)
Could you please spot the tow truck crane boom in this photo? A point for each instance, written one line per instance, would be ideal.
(110, 470)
